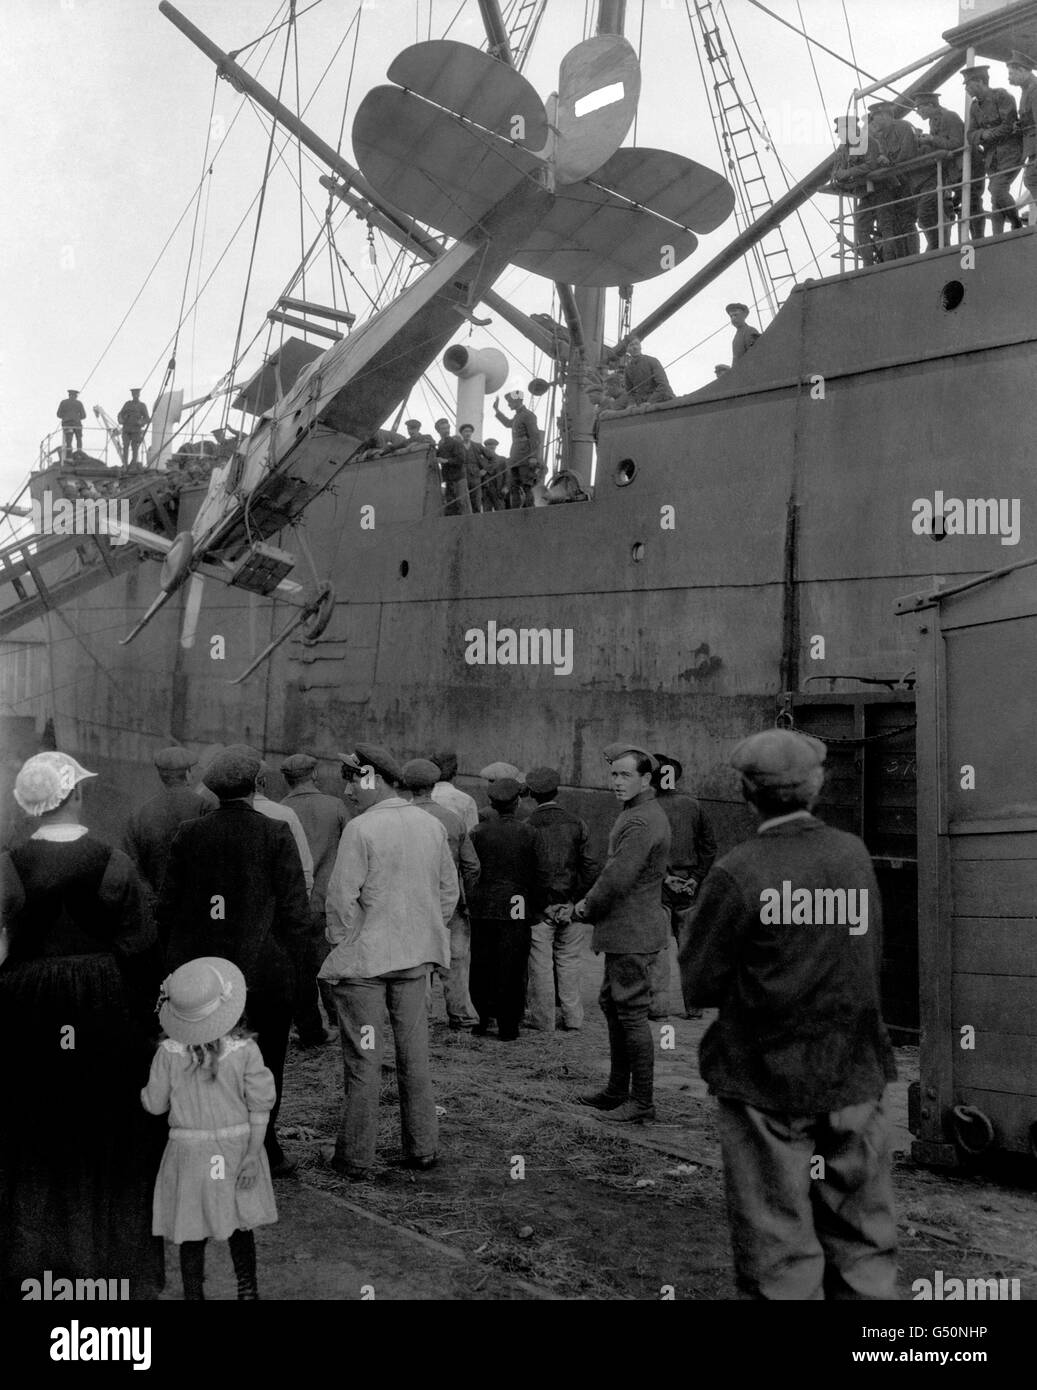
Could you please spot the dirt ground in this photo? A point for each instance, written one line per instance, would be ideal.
(536, 1198)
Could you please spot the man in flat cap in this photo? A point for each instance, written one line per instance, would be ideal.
(134, 417)
(392, 892)
(644, 377)
(997, 151)
(946, 132)
(150, 829)
(495, 481)
(525, 458)
(446, 794)
(692, 851)
(452, 468)
(1021, 75)
(895, 143)
(266, 806)
(420, 775)
(323, 819)
(234, 888)
(745, 333)
(785, 943)
(556, 940)
(493, 772)
(414, 438)
(510, 893)
(71, 412)
(631, 928)
(474, 463)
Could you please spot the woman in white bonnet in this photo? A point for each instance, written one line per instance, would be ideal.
(80, 967)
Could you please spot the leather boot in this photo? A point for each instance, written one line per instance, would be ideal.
(243, 1253)
(192, 1269)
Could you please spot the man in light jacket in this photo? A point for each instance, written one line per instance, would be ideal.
(392, 892)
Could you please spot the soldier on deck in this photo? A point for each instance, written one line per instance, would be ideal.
(1020, 74)
(474, 465)
(71, 412)
(946, 132)
(414, 437)
(745, 333)
(644, 377)
(495, 481)
(150, 829)
(134, 419)
(452, 466)
(896, 142)
(997, 151)
(524, 459)
(854, 159)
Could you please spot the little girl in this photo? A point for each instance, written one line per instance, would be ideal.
(209, 1074)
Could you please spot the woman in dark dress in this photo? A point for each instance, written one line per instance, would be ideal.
(77, 988)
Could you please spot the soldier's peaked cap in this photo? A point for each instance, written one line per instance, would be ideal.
(299, 765)
(621, 749)
(420, 772)
(922, 98)
(413, 424)
(174, 760)
(543, 780)
(778, 757)
(134, 390)
(980, 70)
(504, 789)
(72, 391)
(879, 108)
(1020, 60)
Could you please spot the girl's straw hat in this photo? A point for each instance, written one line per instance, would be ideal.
(202, 1000)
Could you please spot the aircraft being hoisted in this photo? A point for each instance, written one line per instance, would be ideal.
(464, 144)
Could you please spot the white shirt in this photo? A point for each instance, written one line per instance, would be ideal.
(454, 799)
(392, 891)
(273, 810)
(60, 832)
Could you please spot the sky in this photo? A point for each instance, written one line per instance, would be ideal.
(110, 116)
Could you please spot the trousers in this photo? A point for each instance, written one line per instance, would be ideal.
(457, 500)
(554, 959)
(309, 992)
(455, 977)
(271, 1017)
(625, 998)
(500, 954)
(810, 1202)
(362, 1006)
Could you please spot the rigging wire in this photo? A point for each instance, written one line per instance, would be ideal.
(816, 43)
(849, 35)
(640, 46)
(234, 53)
(294, 31)
(813, 67)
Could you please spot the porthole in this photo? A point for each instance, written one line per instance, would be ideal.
(404, 568)
(637, 552)
(626, 471)
(951, 295)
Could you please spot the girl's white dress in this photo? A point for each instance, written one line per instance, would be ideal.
(196, 1193)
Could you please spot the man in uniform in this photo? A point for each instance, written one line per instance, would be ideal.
(150, 829)
(392, 892)
(997, 151)
(452, 467)
(798, 1056)
(1020, 74)
(495, 479)
(71, 412)
(474, 465)
(946, 132)
(234, 888)
(453, 798)
(692, 851)
(745, 333)
(554, 955)
(524, 460)
(854, 160)
(509, 895)
(134, 419)
(631, 927)
(644, 377)
(896, 142)
(323, 819)
(420, 775)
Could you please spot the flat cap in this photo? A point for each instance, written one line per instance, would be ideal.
(232, 773)
(543, 780)
(620, 749)
(413, 424)
(494, 442)
(729, 307)
(778, 757)
(504, 789)
(383, 762)
(299, 765)
(248, 751)
(174, 760)
(493, 772)
(420, 772)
